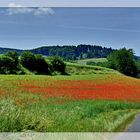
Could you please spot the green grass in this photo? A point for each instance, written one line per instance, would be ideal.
(73, 116)
(60, 114)
(78, 69)
(96, 60)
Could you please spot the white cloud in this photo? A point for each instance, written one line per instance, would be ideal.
(44, 11)
(19, 9)
(12, 4)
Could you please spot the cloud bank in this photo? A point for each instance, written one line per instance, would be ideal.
(14, 9)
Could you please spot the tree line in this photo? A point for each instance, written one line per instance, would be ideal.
(13, 63)
(71, 52)
(68, 52)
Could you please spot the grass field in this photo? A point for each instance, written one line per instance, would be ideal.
(94, 60)
(76, 103)
(79, 69)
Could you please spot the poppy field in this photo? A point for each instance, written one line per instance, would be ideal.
(96, 102)
(121, 89)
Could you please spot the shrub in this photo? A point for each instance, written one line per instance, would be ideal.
(36, 63)
(122, 60)
(14, 56)
(28, 60)
(41, 66)
(7, 65)
(58, 64)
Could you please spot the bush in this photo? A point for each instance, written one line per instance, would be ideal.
(14, 56)
(123, 61)
(58, 64)
(10, 64)
(28, 60)
(7, 65)
(36, 63)
(41, 66)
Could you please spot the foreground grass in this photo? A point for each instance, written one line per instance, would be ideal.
(23, 111)
(73, 116)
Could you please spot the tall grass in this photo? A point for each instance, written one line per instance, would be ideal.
(74, 116)
(15, 119)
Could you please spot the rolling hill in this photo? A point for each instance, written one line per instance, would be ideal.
(68, 52)
(5, 50)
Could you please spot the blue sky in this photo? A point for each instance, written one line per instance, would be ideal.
(34, 27)
(72, 3)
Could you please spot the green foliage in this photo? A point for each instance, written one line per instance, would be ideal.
(14, 56)
(58, 64)
(11, 63)
(7, 65)
(138, 67)
(41, 65)
(122, 60)
(27, 59)
(70, 52)
(36, 63)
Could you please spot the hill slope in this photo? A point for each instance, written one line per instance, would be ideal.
(5, 50)
(78, 69)
(92, 60)
(68, 52)
(74, 52)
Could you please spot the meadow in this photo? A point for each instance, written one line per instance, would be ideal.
(96, 60)
(104, 101)
(103, 62)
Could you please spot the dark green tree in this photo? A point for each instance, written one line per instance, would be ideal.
(123, 61)
(58, 64)
(28, 60)
(7, 65)
(14, 56)
(41, 66)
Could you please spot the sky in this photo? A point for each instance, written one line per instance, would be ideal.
(71, 3)
(26, 28)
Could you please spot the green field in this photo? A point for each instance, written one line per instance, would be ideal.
(73, 116)
(23, 110)
(94, 60)
(78, 69)
(66, 103)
